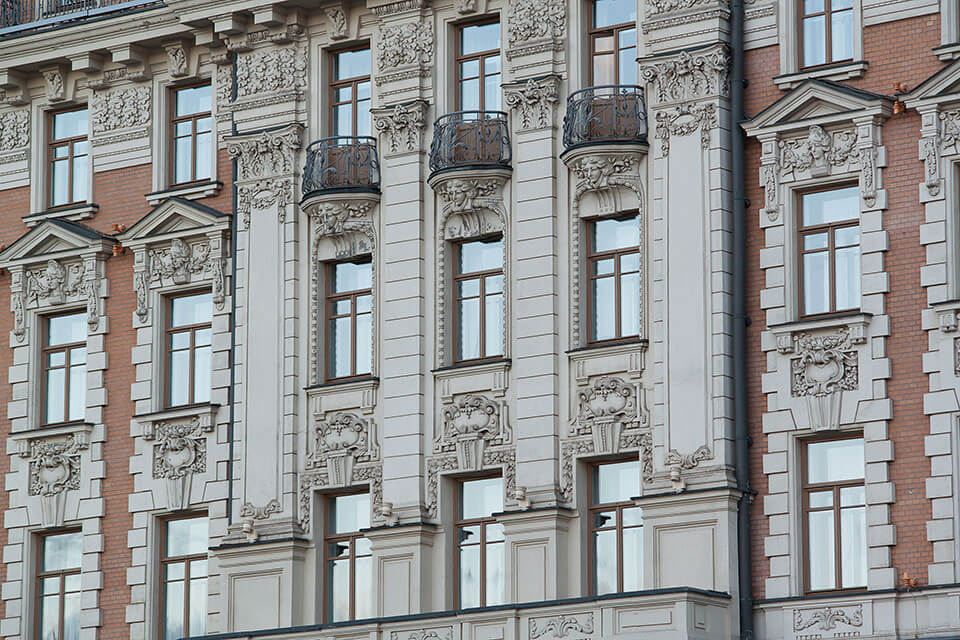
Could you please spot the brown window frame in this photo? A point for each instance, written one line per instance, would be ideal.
(480, 57)
(591, 529)
(806, 488)
(594, 33)
(41, 575)
(482, 277)
(828, 228)
(353, 82)
(330, 300)
(45, 351)
(332, 538)
(174, 120)
(70, 143)
(827, 34)
(616, 254)
(169, 330)
(471, 522)
(187, 561)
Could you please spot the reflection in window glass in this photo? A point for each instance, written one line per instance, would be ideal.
(830, 251)
(189, 349)
(68, 157)
(478, 287)
(613, 273)
(478, 67)
(64, 363)
(192, 129)
(184, 578)
(349, 574)
(480, 544)
(58, 586)
(350, 319)
(616, 528)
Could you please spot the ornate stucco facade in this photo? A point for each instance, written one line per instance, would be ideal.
(272, 438)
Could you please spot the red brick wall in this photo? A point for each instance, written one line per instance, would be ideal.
(897, 52)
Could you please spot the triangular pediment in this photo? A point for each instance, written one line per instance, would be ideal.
(174, 217)
(942, 86)
(817, 102)
(54, 239)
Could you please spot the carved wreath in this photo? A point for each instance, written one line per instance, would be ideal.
(181, 450)
(825, 364)
(54, 467)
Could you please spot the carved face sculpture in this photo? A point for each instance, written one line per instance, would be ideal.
(180, 261)
(461, 194)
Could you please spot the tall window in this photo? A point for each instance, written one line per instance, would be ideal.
(480, 544)
(613, 42)
(613, 274)
(67, 157)
(827, 27)
(830, 251)
(478, 283)
(192, 129)
(350, 93)
(478, 67)
(65, 368)
(188, 349)
(835, 516)
(58, 582)
(183, 577)
(349, 581)
(349, 319)
(616, 528)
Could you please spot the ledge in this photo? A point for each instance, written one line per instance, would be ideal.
(481, 366)
(310, 202)
(609, 348)
(23, 438)
(948, 52)
(188, 192)
(73, 213)
(604, 147)
(857, 323)
(204, 412)
(836, 72)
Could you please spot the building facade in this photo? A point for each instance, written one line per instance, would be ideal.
(453, 319)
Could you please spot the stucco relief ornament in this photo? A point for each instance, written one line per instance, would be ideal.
(402, 125)
(469, 424)
(180, 452)
(337, 21)
(340, 440)
(54, 469)
(689, 76)
(818, 152)
(533, 101)
(263, 194)
(595, 172)
(441, 633)
(678, 462)
(267, 154)
(54, 283)
(179, 261)
(827, 618)
(177, 61)
(824, 367)
(17, 306)
(251, 514)
(604, 406)
(576, 625)
(658, 7)
(120, 109)
(684, 121)
(14, 130)
(271, 70)
(768, 180)
(466, 6)
(405, 45)
(950, 128)
(530, 20)
(54, 82)
(930, 154)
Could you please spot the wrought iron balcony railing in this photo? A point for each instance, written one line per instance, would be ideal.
(602, 114)
(17, 15)
(341, 163)
(476, 139)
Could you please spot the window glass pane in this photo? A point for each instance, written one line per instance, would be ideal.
(470, 94)
(59, 183)
(187, 310)
(848, 278)
(78, 392)
(468, 328)
(820, 499)
(820, 550)
(605, 561)
(617, 482)
(198, 607)
(201, 374)
(835, 460)
(610, 12)
(491, 92)
(481, 498)
(841, 35)
(50, 617)
(179, 377)
(363, 588)
(852, 496)
(80, 176)
(351, 276)
(343, 119)
(364, 343)
(468, 288)
(604, 267)
(66, 329)
(630, 304)
(351, 64)
(812, 6)
(71, 616)
(182, 160)
(201, 337)
(363, 118)
(812, 241)
(338, 582)
(628, 65)
(814, 41)
(604, 69)
(629, 262)
(603, 308)
(494, 325)
(835, 205)
(495, 572)
(62, 551)
(70, 124)
(173, 618)
(204, 156)
(633, 559)
(846, 236)
(469, 576)
(56, 359)
(350, 513)
(187, 537)
(55, 409)
(479, 37)
(480, 256)
(193, 100)
(816, 283)
(78, 355)
(613, 233)
(340, 347)
(853, 547)
(469, 69)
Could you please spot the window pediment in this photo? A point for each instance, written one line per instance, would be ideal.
(54, 239)
(175, 217)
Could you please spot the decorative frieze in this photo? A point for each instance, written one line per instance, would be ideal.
(533, 101)
(402, 125)
(14, 130)
(438, 633)
(684, 121)
(120, 109)
(180, 262)
(688, 76)
(271, 70)
(55, 284)
(660, 7)
(818, 151)
(573, 626)
(266, 154)
(532, 20)
(828, 619)
(405, 45)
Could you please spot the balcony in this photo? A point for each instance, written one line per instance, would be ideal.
(341, 164)
(470, 140)
(609, 114)
(25, 15)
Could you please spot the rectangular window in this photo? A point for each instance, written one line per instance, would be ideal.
(58, 586)
(67, 157)
(616, 528)
(189, 336)
(613, 43)
(183, 578)
(350, 93)
(349, 564)
(827, 31)
(830, 251)
(480, 544)
(478, 283)
(192, 130)
(349, 319)
(613, 275)
(835, 515)
(478, 67)
(64, 368)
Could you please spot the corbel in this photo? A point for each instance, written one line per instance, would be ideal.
(13, 88)
(135, 59)
(338, 21)
(178, 57)
(55, 81)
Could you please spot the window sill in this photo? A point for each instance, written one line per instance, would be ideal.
(73, 213)
(610, 347)
(856, 322)
(476, 365)
(80, 430)
(948, 52)
(205, 413)
(188, 191)
(836, 72)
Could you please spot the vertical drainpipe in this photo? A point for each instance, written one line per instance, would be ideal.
(233, 303)
(742, 449)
